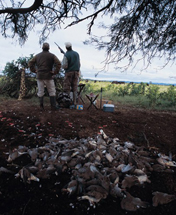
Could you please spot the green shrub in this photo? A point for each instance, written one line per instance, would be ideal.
(138, 89)
(171, 95)
(123, 91)
(153, 95)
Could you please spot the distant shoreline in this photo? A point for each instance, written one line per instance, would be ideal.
(135, 82)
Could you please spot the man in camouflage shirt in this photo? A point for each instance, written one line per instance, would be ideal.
(71, 65)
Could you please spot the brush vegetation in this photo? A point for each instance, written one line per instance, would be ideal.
(143, 95)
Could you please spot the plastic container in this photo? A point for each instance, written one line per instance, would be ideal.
(79, 107)
(108, 107)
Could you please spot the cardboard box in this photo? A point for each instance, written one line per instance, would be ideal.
(103, 102)
(79, 107)
(108, 107)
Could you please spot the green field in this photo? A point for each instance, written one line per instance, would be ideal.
(142, 95)
(151, 96)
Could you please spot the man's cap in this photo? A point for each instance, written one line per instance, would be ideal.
(68, 44)
(45, 46)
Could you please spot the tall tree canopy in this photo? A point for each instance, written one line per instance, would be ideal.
(145, 26)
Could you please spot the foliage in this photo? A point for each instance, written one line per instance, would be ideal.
(10, 86)
(124, 91)
(138, 89)
(88, 88)
(11, 68)
(171, 95)
(147, 26)
(153, 94)
(10, 83)
(138, 95)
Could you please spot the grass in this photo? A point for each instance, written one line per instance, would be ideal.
(113, 92)
(121, 95)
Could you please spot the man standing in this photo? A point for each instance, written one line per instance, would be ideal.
(45, 65)
(71, 65)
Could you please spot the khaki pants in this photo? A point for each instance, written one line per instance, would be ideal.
(50, 85)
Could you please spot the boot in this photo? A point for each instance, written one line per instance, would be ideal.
(74, 98)
(73, 106)
(41, 103)
(53, 103)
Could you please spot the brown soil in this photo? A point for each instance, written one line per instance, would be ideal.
(19, 119)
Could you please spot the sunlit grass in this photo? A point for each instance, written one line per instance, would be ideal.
(124, 95)
(113, 92)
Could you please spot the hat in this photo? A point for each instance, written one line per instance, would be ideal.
(68, 44)
(45, 46)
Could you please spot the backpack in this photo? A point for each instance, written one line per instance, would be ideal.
(64, 100)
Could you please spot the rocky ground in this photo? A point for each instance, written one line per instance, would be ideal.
(24, 124)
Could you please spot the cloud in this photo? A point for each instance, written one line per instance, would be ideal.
(91, 59)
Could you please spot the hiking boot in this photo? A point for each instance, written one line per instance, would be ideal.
(41, 103)
(74, 97)
(53, 103)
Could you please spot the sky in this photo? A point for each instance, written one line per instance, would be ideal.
(91, 59)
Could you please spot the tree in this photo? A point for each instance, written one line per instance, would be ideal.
(14, 73)
(145, 26)
(12, 68)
